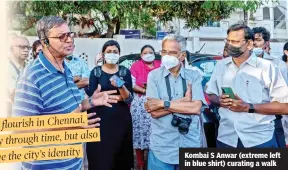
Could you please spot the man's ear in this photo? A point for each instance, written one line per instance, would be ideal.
(250, 44)
(43, 43)
(182, 56)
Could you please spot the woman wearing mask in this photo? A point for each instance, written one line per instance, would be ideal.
(142, 119)
(115, 150)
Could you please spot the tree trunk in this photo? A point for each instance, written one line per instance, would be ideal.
(110, 31)
(245, 17)
(118, 24)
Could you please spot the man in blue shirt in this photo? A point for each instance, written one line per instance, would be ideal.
(80, 72)
(175, 109)
(47, 87)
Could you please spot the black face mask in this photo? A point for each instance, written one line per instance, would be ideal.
(235, 51)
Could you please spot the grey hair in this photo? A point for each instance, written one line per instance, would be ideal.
(180, 39)
(45, 24)
(15, 38)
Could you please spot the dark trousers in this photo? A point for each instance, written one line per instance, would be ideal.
(279, 132)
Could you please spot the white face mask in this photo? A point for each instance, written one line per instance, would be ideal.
(148, 57)
(257, 51)
(112, 58)
(169, 61)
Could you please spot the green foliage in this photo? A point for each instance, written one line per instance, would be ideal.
(135, 14)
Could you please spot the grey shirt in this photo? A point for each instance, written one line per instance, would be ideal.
(165, 140)
(256, 81)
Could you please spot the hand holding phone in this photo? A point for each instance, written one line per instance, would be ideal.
(228, 91)
(117, 80)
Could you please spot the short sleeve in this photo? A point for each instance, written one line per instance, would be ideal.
(133, 74)
(212, 86)
(85, 70)
(28, 100)
(152, 86)
(278, 88)
(197, 90)
(284, 70)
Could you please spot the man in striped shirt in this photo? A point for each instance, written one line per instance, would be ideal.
(47, 87)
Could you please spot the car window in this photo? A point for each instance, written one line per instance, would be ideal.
(127, 63)
(206, 67)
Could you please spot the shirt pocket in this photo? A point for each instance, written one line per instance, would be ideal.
(254, 89)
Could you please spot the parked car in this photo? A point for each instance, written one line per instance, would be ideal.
(205, 63)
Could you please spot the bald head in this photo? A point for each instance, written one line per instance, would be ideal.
(20, 47)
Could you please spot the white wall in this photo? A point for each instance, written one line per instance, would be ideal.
(92, 47)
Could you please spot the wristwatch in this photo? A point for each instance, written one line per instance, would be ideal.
(166, 105)
(251, 108)
(90, 102)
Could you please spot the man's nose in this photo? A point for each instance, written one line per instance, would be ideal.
(69, 39)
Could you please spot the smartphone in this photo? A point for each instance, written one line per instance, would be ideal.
(119, 82)
(228, 91)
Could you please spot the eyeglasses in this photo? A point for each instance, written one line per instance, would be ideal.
(232, 41)
(23, 47)
(173, 53)
(64, 36)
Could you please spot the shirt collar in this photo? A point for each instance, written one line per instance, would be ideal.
(167, 72)
(252, 60)
(267, 56)
(46, 63)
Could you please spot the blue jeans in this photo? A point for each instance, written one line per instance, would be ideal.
(154, 163)
(279, 132)
(270, 144)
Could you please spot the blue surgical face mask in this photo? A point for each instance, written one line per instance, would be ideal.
(258, 51)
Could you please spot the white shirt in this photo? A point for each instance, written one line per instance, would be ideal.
(279, 63)
(256, 81)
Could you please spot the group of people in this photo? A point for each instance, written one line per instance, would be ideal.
(158, 108)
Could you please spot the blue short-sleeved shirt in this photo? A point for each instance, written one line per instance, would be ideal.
(78, 67)
(43, 90)
(165, 139)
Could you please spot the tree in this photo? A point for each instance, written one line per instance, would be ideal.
(197, 13)
(136, 14)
